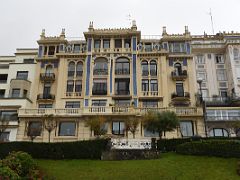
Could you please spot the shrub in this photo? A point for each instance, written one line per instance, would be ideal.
(238, 167)
(167, 145)
(6, 173)
(20, 162)
(220, 148)
(65, 150)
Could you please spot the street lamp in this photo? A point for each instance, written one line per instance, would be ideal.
(199, 81)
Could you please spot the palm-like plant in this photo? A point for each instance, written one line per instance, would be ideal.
(49, 124)
(131, 124)
(97, 125)
(3, 126)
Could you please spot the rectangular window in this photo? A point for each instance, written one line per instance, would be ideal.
(148, 47)
(97, 44)
(34, 128)
(67, 129)
(221, 75)
(51, 50)
(45, 106)
(122, 86)
(70, 85)
(122, 103)
(47, 89)
(150, 134)
(118, 43)
(15, 93)
(106, 43)
(145, 85)
(179, 89)
(209, 56)
(22, 75)
(2, 93)
(9, 115)
(127, 43)
(219, 59)
(154, 85)
(99, 87)
(99, 102)
(200, 59)
(177, 47)
(72, 104)
(76, 48)
(149, 103)
(4, 137)
(186, 128)
(118, 128)
(28, 61)
(3, 78)
(78, 86)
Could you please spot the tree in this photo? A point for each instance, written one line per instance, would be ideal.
(3, 126)
(49, 124)
(97, 125)
(161, 122)
(234, 126)
(131, 124)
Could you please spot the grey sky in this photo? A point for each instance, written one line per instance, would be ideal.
(21, 21)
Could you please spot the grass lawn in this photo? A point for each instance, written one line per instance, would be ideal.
(170, 166)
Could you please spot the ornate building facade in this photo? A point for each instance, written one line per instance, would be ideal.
(117, 73)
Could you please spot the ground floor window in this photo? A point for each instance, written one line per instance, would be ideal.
(34, 128)
(218, 132)
(67, 129)
(186, 128)
(4, 137)
(238, 133)
(118, 128)
(150, 133)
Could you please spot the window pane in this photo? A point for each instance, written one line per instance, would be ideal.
(186, 129)
(15, 93)
(72, 104)
(67, 129)
(22, 75)
(34, 129)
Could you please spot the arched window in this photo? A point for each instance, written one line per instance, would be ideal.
(144, 68)
(71, 69)
(79, 69)
(235, 54)
(218, 132)
(178, 69)
(122, 66)
(49, 69)
(153, 68)
(100, 67)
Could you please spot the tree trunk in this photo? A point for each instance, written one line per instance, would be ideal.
(133, 135)
(49, 135)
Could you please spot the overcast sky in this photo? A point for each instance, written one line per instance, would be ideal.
(21, 21)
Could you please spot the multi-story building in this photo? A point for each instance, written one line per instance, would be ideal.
(120, 74)
(216, 59)
(115, 73)
(17, 77)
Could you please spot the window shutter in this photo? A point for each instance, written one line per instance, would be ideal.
(170, 62)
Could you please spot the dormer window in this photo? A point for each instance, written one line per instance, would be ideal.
(51, 50)
(118, 43)
(97, 44)
(106, 43)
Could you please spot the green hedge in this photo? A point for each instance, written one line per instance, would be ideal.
(219, 148)
(65, 150)
(166, 145)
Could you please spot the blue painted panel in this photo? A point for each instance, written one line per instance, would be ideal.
(134, 59)
(185, 62)
(165, 46)
(170, 62)
(134, 42)
(40, 49)
(61, 47)
(188, 48)
(89, 44)
(88, 74)
(135, 102)
(86, 103)
(111, 76)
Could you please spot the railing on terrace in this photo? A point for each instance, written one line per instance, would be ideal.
(93, 110)
(223, 118)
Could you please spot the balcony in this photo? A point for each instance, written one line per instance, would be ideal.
(150, 95)
(107, 110)
(99, 92)
(79, 73)
(218, 101)
(179, 76)
(45, 97)
(73, 94)
(180, 99)
(100, 72)
(122, 71)
(223, 118)
(47, 76)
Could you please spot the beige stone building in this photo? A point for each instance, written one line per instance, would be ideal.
(116, 73)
